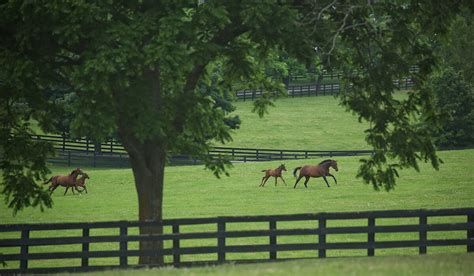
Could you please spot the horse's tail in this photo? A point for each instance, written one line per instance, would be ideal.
(295, 170)
(49, 180)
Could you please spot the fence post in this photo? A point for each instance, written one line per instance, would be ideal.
(257, 155)
(85, 247)
(176, 256)
(221, 241)
(322, 238)
(371, 237)
(470, 233)
(25, 236)
(69, 158)
(64, 141)
(94, 160)
(273, 241)
(123, 246)
(423, 222)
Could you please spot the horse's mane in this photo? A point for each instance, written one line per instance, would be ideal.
(325, 161)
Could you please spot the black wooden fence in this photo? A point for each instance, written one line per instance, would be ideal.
(313, 89)
(83, 152)
(203, 241)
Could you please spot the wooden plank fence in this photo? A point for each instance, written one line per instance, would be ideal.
(205, 241)
(83, 152)
(301, 90)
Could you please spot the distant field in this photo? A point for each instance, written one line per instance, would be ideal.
(310, 123)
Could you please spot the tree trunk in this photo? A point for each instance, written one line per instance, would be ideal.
(148, 164)
(149, 182)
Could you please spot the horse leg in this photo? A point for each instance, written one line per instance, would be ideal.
(66, 190)
(52, 188)
(265, 181)
(306, 181)
(297, 180)
(261, 183)
(85, 189)
(283, 180)
(276, 178)
(333, 177)
(326, 180)
(77, 188)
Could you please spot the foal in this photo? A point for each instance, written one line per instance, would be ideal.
(79, 182)
(275, 173)
(320, 170)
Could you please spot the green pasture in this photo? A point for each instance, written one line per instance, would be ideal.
(308, 123)
(191, 191)
(313, 123)
(442, 264)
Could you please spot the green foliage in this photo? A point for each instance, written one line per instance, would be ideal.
(135, 68)
(455, 100)
(376, 45)
(456, 49)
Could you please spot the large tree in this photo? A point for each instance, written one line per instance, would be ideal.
(137, 68)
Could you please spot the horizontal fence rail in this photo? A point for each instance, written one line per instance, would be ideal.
(237, 239)
(314, 89)
(83, 152)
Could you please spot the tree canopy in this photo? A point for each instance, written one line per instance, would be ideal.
(136, 68)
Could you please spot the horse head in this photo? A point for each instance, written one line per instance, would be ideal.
(334, 165)
(76, 171)
(282, 167)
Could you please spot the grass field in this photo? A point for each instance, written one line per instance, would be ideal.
(191, 191)
(309, 123)
(453, 264)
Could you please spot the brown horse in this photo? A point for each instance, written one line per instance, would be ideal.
(322, 169)
(81, 182)
(63, 180)
(275, 173)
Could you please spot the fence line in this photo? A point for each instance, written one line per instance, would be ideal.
(215, 238)
(111, 153)
(313, 89)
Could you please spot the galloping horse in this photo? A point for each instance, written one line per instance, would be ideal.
(322, 169)
(275, 173)
(81, 182)
(64, 180)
